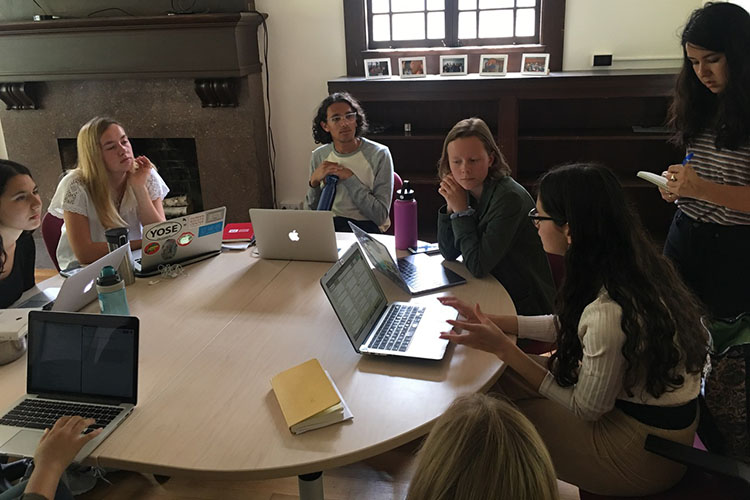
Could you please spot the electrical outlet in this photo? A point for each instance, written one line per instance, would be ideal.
(290, 205)
(602, 60)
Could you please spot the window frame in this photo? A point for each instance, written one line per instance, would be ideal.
(551, 18)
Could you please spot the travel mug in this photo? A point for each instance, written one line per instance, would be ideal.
(117, 237)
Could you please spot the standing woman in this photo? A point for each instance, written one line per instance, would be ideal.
(709, 239)
(20, 213)
(484, 218)
(108, 188)
(630, 343)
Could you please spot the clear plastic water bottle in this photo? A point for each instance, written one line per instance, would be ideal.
(405, 217)
(111, 290)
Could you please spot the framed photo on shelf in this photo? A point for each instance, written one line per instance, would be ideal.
(535, 64)
(452, 65)
(412, 67)
(377, 68)
(493, 64)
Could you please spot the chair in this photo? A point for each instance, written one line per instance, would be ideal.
(51, 230)
(557, 266)
(397, 183)
(709, 476)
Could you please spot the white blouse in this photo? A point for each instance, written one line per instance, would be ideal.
(71, 196)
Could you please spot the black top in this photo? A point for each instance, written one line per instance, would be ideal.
(21, 278)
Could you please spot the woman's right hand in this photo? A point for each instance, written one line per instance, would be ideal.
(462, 307)
(59, 445)
(454, 194)
(325, 168)
(667, 195)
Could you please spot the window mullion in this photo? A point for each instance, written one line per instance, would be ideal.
(451, 23)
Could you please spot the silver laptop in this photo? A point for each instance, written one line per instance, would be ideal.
(77, 364)
(79, 289)
(373, 325)
(184, 240)
(294, 234)
(416, 274)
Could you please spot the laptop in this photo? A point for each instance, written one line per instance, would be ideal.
(77, 364)
(373, 325)
(295, 234)
(184, 240)
(416, 273)
(79, 289)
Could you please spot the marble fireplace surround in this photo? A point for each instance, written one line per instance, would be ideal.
(161, 76)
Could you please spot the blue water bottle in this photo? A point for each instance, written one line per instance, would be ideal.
(329, 192)
(111, 290)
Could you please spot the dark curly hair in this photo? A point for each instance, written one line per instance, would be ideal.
(609, 249)
(321, 136)
(8, 170)
(720, 27)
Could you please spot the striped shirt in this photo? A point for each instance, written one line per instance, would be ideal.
(721, 166)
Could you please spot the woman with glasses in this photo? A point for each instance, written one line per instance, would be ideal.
(361, 168)
(630, 347)
(484, 218)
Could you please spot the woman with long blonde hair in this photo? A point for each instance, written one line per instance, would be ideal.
(482, 447)
(110, 187)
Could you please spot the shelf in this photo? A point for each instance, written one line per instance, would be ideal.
(414, 136)
(590, 135)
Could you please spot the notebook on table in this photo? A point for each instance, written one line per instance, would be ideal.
(295, 234)
(77, 364)
(416, 274)
(376, 327)
(184, 240)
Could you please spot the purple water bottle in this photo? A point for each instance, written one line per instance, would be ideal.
(405, 217)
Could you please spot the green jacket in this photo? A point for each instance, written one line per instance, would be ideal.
(501, 240)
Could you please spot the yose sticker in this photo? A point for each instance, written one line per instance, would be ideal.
(164, 230)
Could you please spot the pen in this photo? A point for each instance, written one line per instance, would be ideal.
(687, 158)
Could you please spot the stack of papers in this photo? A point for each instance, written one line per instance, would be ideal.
(308, 397)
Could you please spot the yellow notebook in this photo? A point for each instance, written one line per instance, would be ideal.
(308, 398)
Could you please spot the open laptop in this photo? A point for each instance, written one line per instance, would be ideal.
(416, 273)
(79, 289)
(77, 364)
(373, 325)
(184, 240)
(295, 234)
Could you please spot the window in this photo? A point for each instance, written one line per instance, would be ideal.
(398, 28)
(451, 23)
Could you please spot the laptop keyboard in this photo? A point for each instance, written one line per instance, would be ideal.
(42, 413)
(396, 332)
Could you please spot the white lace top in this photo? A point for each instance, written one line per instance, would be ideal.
(71, 196)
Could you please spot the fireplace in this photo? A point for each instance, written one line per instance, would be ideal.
(187, 84)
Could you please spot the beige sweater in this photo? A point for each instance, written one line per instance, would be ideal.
(603, 366)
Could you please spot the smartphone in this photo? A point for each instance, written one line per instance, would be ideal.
(428, 248)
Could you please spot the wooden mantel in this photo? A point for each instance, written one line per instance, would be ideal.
(216, 46)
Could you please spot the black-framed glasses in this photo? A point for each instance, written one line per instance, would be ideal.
(350, 117)
(536, 218)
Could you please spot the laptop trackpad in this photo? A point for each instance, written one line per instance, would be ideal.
(24, 443)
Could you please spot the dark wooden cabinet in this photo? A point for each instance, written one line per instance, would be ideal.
(615, 117)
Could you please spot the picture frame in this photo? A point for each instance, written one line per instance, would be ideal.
(412, 67)
(378, 68)
(493, 64)
(535, 64)
(453, 65)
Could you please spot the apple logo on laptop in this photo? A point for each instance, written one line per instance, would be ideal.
(294, 235)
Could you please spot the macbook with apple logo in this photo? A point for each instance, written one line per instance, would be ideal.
(294, 234)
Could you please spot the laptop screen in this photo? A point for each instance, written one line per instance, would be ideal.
(355, 295)
(87, 357)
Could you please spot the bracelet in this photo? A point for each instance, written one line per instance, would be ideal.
(463, 213)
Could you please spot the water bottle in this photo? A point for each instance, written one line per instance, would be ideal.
(117, 237)
(111, 290)
(328, 193)
(405, 217)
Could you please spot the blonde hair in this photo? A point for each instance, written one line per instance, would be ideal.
(483, 447)
(93, 172)
(474, 127)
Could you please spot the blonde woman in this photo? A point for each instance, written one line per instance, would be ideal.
(109, 187)
(483, 447)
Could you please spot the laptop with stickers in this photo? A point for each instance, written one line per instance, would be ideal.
(184, 240)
